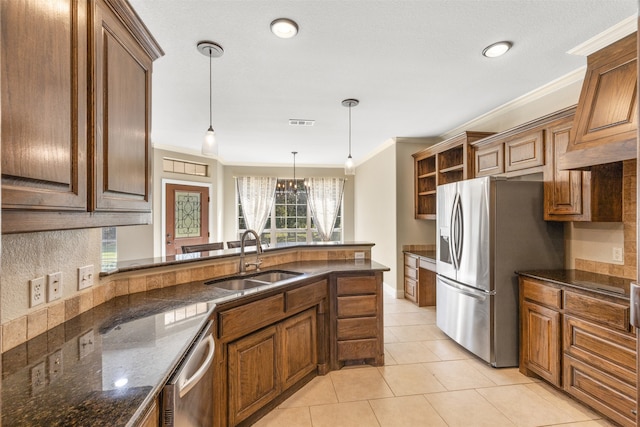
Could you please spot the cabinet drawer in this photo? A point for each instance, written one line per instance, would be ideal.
(360, 306)
(427, 264)
(410, 272)
(357, 285)
(306, 295)
(410, 289)
(489, 160)
(602, 392)
(525, 152)
(410, 261)
(612, 352)
(239, 321)
(596, 309)
(350, 329)
(358, 349)
(543, 294)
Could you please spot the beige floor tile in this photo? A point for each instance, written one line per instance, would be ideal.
(467, 408)
(388, 359)
(406, 380)
(319, 391)
(409, 411)
(448, 350)
(501, 376)
(351, 414)
(402, 306)
(411, 352)
(526, 406)
(293, 417)
(417, 333)
(561, 400)
(458, 375)
(402, 319)
(389, 336)
(592, 423)
(360, 383)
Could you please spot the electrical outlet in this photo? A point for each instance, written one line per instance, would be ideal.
(85, 344)
(617, 254)
(359, 255)
(55, 365)
(36, 291)
(54, 286)
(38, 379)
(85, 277)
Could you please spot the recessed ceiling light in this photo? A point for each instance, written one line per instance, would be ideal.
(284, 28)
(496, 49)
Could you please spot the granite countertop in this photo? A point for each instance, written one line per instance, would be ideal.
(430, 254)
(179, 259)
(601, 283)
(105, 367)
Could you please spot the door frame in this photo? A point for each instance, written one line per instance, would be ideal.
(163, 226)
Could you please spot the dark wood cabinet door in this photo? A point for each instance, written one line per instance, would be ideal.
(44, 108)
(563, 189)
(541, 341)
(253, 373)
(299, 347)
(121, 161)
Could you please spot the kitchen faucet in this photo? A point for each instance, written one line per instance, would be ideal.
(258, 261)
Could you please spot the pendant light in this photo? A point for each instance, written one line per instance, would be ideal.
(349, 167)
(292, 186)
(209, 144)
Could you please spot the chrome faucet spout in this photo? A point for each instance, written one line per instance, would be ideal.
(258, 261)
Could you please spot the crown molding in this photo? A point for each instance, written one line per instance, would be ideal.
(605, 38)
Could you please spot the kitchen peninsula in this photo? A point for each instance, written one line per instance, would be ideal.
(107, 365)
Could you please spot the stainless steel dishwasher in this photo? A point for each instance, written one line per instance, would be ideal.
(187, 399)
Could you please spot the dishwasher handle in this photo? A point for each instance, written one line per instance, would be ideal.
(635, 304)
(186, 384)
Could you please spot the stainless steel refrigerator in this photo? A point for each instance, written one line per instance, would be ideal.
(487, 228)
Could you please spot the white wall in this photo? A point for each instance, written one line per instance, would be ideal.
(375, 209)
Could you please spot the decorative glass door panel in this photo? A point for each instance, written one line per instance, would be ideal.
(187, 213)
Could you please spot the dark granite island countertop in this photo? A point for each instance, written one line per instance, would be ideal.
(106, 366)
(579, 279)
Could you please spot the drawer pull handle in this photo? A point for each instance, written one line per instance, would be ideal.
(634, 412)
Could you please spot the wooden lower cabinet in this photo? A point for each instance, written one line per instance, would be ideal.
(152, 417)
(264, 364)
(541, 343)
(582, 342)
(419, 280)
(253, 370)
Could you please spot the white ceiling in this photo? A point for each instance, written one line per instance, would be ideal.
(416, 67)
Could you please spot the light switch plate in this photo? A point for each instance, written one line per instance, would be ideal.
(85, 344)
(55, 365)
(85, 277)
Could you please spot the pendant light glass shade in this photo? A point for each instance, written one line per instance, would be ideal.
(209, 143)
(349, 166)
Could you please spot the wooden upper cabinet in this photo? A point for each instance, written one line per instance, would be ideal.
(122, 96)
(75, 115)
(606, 118)
(44, 107)
(448, 161)
(574, 195)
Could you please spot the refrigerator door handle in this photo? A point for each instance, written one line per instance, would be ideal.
(459, 231)
(453, 232)
(465, 290)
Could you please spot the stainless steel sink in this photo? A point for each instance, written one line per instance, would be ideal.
(249, 281)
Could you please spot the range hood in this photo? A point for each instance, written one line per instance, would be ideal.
(605, 126)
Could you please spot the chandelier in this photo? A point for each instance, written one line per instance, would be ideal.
(289, 186)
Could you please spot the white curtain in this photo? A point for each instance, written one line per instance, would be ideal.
(257, 194)
(324, 198)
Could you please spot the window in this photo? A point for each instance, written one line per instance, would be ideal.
(290, 221)
(109, 249)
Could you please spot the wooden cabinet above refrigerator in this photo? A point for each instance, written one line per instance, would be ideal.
(605, 128)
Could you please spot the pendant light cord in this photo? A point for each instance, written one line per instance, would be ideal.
(349, 129)
(210, 93)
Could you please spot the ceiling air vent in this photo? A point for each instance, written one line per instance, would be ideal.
(301, 122)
